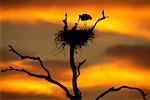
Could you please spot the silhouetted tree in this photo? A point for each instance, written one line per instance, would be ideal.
(73, 38)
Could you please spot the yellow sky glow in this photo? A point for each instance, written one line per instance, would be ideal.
(117, 73)
(120, 20)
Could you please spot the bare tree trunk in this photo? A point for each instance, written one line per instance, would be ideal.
(74, 76)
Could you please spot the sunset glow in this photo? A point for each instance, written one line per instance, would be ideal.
(123, 22)
(115, 73)
(119, 56)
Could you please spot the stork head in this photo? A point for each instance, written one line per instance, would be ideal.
(90, 18)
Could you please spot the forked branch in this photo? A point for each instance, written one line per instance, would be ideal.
(102, 18)
(119, 88)
(29, 57)
(48, 78)
(25, 71)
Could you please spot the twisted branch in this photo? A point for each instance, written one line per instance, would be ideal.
(104, 17)
(25, 71)
(119, 88)
(29, 57)
(48, 78)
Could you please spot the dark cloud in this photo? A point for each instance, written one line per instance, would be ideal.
(90, 93)
(33, 40)
(5, 55)
(144, 24)
(52, 63)
(18, 3)
(57, 63)
(28, 37)
(57, 68)
(104, 40)
(27, 96)
(140, 54)
(38, 40)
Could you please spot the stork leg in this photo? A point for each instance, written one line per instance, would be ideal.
(85, 24)
(84, 27)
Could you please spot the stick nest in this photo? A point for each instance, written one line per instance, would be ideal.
(75, 38)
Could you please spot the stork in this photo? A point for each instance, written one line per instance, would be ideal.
(84, 17)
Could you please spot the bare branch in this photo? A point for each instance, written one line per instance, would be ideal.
(65, 23)
(40, 76)
(104, 17)
(78, 67)
(61, 86)
(25, 71)
(29, 57)
(119, 88)
(48, 78)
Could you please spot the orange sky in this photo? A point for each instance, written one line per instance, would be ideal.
(120, 20)
(115, 73)
(129, 23)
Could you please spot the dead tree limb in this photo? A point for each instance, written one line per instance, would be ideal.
(78, 67)
(74, 72)
(25, 71)
(119, 88)
(48, 77)
(104, 17)
(29, 57)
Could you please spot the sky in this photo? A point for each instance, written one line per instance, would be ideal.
(119, 54)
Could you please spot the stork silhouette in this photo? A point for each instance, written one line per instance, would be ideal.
(84, 17)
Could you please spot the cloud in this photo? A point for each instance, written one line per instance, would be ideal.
(18, 3)
(26, 36)
(140, 54)
(37, 39)
(57, 68)
(5, 55)
(27, 96)
(8, 56)
(144, 24)
(90, 93)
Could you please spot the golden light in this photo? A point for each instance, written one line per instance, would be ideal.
(119, 21)
(116, 73)
(26, 84)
